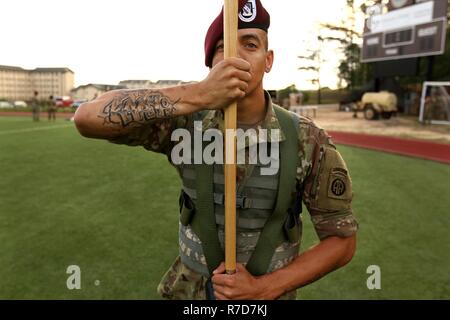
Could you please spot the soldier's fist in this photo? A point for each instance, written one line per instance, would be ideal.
(226, 83)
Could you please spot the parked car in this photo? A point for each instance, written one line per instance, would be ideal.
(6, 105)
(20, 104)
(63, 102)
(77, 103)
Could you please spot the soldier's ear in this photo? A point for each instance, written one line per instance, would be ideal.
(269, 60)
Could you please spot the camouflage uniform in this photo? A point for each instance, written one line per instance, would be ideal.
(321, 170)
(35, 108)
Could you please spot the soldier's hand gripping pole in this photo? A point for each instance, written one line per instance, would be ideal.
(231, 9)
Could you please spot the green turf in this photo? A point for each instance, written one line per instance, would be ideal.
(112, 210)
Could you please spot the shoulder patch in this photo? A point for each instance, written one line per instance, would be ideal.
(332, 189)
(338, 184)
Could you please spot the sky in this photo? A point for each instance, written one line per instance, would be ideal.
(106, 41)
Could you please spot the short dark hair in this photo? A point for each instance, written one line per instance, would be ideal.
(36, 93)
(266, 41)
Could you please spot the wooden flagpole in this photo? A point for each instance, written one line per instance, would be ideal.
(230, 50)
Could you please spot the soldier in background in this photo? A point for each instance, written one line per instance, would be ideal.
(51, 109)
(35, 107)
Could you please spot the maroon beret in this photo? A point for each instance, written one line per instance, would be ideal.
(252, 14)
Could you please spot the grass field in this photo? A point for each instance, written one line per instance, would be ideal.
(112, 210)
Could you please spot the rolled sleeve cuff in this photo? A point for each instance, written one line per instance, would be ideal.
(337, 225)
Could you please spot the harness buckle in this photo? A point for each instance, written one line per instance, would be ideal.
(243, 203)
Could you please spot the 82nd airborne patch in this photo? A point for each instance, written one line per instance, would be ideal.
(338, 187)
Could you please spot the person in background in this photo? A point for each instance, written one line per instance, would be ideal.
(35, 106)
(51, 109)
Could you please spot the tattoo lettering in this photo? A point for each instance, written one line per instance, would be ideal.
(137, 108)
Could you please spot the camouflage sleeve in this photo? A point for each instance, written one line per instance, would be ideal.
(154, 137)
(328, 188)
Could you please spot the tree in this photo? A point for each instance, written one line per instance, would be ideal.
(448, 16)
(441, 70)
(313, 63)
(285, 93)
(351, 71)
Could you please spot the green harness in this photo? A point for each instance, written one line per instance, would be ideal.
(282, 224)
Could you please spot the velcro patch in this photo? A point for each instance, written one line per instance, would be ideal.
(339, 186)
(334, 187)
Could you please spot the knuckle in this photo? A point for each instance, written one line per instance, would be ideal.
(233, 73)
(228, 293)
(233, 94)
(246, 66)
(234, 83)
(242, 76)
(229, 282)
(225, 63)
(230, 73)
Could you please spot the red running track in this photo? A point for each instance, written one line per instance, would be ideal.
(413, 148)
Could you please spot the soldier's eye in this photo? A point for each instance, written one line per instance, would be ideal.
(220, 47)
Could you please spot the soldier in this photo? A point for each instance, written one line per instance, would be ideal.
(35, 107)
(51, 109)
(268, 225)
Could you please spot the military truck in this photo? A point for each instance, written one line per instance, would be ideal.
(377, 104)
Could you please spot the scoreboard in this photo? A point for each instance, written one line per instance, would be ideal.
(411, 28)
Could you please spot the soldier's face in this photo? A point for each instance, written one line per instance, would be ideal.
(253, 47)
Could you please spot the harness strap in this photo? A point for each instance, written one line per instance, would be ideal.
(273, 234)
(204, 223)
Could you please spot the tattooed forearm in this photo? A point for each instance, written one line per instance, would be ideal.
(137, 108)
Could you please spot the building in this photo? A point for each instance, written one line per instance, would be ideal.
(52, 81)
(137, 84)
(148, 84)
(91, 91)
(19, 84)
(168, 83)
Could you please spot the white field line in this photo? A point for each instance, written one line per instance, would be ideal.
(34, 129)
